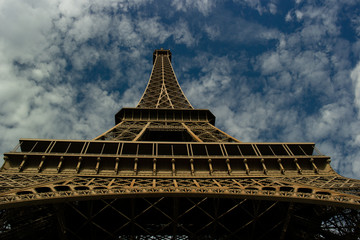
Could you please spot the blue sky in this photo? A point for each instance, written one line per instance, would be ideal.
(275, 70)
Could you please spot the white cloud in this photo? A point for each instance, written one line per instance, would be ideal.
(299, 15)
(272, 8)
(320, 20)
(309, 65)
(214, 80)
(39, 96)
(288, 17)
(182, 34)
(271, 64)
(241, 30)
(212, 31)
(260, 6)
(276, 106)
(356, 24)
(355, 76)
(72, 9)
(203, 6)
(152, 30)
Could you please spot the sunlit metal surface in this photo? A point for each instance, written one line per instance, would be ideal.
(164, 171)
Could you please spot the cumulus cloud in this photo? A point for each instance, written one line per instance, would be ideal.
(182, 34)
(307, 90)
(203, 6)
(355, 76)
(307, 64)
(260, 6)
(48, 47)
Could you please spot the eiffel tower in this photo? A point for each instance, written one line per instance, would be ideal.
(164, 171)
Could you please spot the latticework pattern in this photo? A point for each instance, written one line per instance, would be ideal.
(164, 171)
(181, 218)
(163, 90)
(198, 131)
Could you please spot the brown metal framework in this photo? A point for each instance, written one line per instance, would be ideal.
(164, 171)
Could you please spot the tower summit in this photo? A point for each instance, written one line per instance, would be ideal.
(163, 89)
(164, 170)
(164, 113)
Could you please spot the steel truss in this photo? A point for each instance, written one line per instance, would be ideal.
(181, 218)
(164, 171)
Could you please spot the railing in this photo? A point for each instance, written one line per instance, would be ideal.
(165, 158)
(190, 149)
(324, 198)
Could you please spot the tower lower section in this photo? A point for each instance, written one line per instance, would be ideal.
(180, 218)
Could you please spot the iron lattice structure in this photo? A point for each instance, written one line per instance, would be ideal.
(164, 171)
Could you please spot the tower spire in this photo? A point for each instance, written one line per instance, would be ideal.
(164, 113)
(163, 89)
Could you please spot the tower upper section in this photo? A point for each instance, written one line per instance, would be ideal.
(163, 89)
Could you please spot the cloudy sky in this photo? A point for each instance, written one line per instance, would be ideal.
(274, 70)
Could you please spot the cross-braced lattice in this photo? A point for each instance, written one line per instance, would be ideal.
(164, 171)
